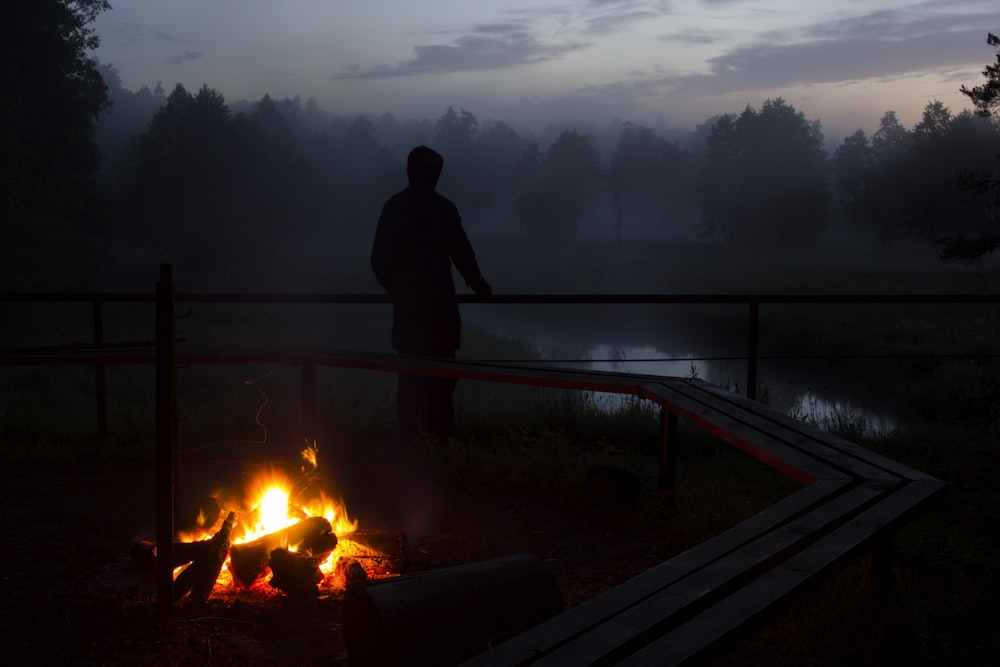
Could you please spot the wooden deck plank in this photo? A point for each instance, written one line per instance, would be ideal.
(794, 433)
(693, 592)
(691, 640)
(762, 445)
(635, 627)
(850, 448)
(582, 618)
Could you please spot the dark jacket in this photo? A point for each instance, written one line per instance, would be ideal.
(419, 236)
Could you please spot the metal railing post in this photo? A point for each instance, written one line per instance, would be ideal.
(668, 450)
(166, 439)
(753, 342)
(99, 380)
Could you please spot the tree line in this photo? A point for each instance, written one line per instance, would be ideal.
(187, 178)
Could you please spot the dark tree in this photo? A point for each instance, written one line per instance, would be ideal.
(52, 97)
(568, 177)
(852, 165)
(986, 97)
(183, 182)
(649, 180)
(765, 178)
(984, 184)
(880, 193)
(908, 188)
(127, 116)
(492, 199)
(456, 130)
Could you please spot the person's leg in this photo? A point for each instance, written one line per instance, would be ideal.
(439, 403)
(409, 396)
(440, 407)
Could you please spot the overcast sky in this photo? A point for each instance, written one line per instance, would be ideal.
(532, 63)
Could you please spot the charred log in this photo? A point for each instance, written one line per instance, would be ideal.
(446, 616)
(349, 571)
(295, 574)
(379, 552)
(144, 552)
(249, 561)
(198, 578)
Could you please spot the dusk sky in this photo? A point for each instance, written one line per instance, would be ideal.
(529, 63)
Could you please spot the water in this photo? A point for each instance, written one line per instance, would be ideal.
(790, 393)
(816, 390)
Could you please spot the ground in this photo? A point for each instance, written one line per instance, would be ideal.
(71, 593)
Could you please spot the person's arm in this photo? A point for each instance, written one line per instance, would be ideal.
(465, 261)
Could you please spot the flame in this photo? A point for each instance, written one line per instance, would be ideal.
(273, 501)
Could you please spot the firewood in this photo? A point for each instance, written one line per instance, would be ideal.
(144, 552)
(198, 578)
(379, 551)
(349, 570)
(445, 616)
(294, 573)
(249, 561)
(318, 546)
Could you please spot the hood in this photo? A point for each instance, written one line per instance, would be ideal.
(423, 167)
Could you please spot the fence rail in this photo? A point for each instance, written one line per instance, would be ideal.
(100, 353)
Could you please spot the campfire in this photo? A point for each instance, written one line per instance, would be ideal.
(281, 534)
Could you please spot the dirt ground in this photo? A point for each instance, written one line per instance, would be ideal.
(71, 593)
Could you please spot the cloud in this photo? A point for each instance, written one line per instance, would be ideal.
(512, 40)
(880, 45)
(136, 33)
(616, 15)
(488, 46)
(181, 58)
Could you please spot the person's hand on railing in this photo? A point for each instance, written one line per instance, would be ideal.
(482, 288)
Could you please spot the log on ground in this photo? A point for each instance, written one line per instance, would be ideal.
(445, 616)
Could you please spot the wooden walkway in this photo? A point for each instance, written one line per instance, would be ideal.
(694, 604)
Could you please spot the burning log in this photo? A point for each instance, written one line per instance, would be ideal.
(294, 573)
(448, 615)
(198, 578)
(312, 536)
(350, 571)
(379, 552)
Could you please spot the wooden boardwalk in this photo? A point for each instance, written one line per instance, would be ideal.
(694, 604)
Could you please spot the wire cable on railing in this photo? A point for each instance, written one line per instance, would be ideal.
(775, 357)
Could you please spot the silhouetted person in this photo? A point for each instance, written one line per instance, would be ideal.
(419, 236)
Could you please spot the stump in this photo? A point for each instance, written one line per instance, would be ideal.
(445, 616)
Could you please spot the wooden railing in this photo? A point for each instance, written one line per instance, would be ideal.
(100, 353)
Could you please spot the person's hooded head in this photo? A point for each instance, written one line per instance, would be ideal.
(423, 167)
